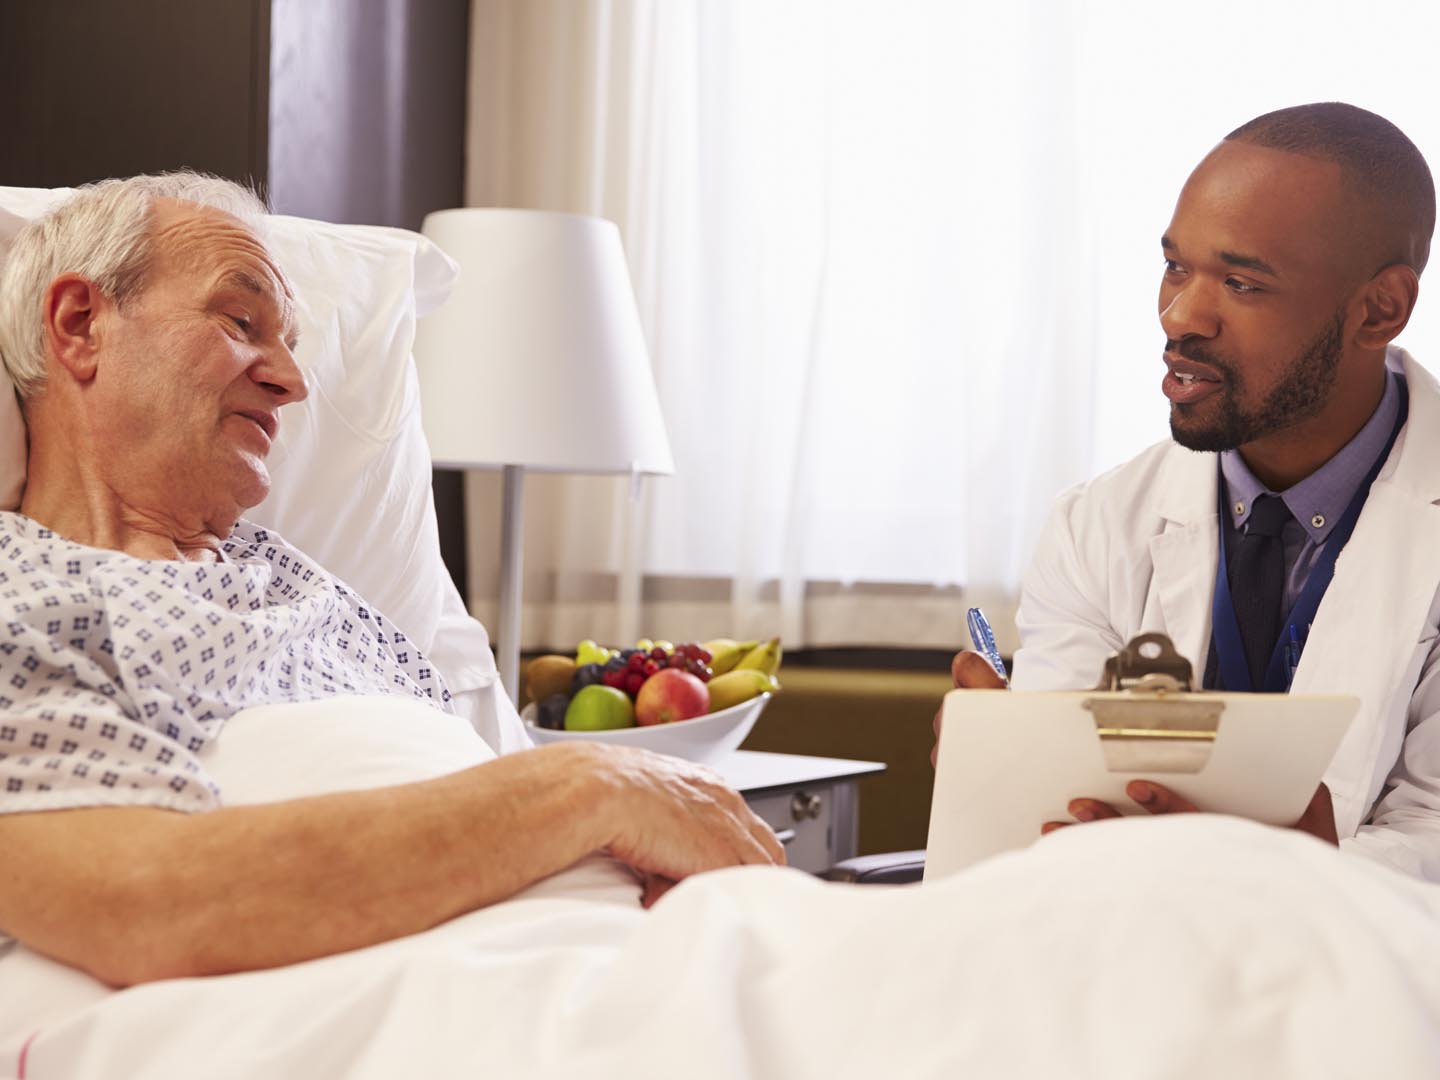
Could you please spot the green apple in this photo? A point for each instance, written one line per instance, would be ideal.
(599, 708)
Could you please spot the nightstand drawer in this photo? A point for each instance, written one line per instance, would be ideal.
(812, 802)
(808, 813)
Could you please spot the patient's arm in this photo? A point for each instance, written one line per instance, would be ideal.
(132, 894)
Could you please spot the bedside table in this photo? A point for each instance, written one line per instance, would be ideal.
(810, 802)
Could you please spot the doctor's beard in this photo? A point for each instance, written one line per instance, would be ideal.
(1301, 393)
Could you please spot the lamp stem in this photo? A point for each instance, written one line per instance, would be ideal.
(507, 646)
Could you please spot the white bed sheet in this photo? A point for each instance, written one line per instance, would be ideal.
(1194, 946)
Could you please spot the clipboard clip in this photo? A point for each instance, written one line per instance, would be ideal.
(1147, 720)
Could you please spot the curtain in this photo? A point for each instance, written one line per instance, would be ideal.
(897, 268)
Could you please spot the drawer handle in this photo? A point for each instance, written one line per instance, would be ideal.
(805, 805)
(785, 835)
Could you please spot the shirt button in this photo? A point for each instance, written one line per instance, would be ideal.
(1239, 508)
(1318, 521)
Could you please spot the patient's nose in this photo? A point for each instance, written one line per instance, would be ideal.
(281, 375)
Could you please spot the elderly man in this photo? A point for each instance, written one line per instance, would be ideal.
(149, 333)
(1294, 510)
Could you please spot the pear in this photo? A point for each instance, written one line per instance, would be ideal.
(550, 674)
(736, 686)
(764, 658)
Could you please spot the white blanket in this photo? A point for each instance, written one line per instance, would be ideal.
(1193, 946)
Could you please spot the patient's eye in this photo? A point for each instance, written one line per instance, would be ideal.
(1244, 288)
(1171, 266)
(243, 322)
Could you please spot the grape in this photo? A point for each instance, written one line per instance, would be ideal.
(633, 681)
(650, 668)
(615, 678)
(636, 661)
(658, 654)
(586, 675)
(550, 713)
(703, 654)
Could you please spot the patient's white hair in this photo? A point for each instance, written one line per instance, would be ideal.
(102, 233)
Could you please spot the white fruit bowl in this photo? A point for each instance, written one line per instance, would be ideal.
(706, 738)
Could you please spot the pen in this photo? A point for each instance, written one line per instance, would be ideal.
(984, 638)
(1292, 656)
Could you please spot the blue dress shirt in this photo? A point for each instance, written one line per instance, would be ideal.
(1317, 502)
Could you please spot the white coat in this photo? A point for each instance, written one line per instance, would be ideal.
(1135, 550)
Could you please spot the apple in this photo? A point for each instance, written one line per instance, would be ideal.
(599, 708)
(669, 695)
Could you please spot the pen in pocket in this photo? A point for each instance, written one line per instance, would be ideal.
(984, 638)
(1292, 656)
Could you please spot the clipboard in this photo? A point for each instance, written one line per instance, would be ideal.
(1010, 761)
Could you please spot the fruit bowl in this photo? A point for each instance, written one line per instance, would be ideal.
(705, 739)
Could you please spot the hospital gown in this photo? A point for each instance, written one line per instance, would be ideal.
(115, 672)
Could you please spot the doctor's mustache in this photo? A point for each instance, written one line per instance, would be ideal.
(1189, 350)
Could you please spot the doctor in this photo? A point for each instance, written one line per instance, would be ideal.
(1301, 484)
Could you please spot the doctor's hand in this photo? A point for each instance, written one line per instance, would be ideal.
(968, 671)
(1318, 819)
(1153, 797)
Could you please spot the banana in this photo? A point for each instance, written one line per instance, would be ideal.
(726, 652)
(764, 658)
(736, 686)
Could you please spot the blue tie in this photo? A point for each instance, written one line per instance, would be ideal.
(1257, 583)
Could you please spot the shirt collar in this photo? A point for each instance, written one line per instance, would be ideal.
(1318, 501)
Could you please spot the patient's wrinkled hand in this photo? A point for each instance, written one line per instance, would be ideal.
(969, 671)
(667, 818)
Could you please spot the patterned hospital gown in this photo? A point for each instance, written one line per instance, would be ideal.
(115, 671)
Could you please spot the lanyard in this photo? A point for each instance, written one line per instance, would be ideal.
(1225, 635)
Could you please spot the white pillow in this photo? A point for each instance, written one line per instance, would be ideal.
(351, 467)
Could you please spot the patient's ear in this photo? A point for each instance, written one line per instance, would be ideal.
(72, 307)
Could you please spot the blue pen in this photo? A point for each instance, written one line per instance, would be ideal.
(984, 638)
(1292, 656)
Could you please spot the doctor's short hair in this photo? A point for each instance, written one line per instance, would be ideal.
(1377, 159)
(103, 233)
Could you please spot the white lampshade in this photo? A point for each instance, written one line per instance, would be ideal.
(537, 359)
(536, 362)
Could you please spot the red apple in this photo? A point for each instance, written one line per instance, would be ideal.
(669, 695)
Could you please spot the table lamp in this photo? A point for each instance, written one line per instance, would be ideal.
(537, 361)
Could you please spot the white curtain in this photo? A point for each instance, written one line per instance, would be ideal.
(897, 267)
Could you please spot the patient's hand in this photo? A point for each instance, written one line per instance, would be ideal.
(1317, 820)
(969, 671)
(668, 818)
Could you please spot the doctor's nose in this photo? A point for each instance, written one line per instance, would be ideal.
(1187, 311)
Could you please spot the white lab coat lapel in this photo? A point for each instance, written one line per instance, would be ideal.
(1187, 551)
(1371, 618)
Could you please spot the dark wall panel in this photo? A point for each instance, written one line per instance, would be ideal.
(367, 108)
(97, 88)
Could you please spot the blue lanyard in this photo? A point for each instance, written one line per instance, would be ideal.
(1229, 650)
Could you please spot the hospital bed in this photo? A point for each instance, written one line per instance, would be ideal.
(1195, 946)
